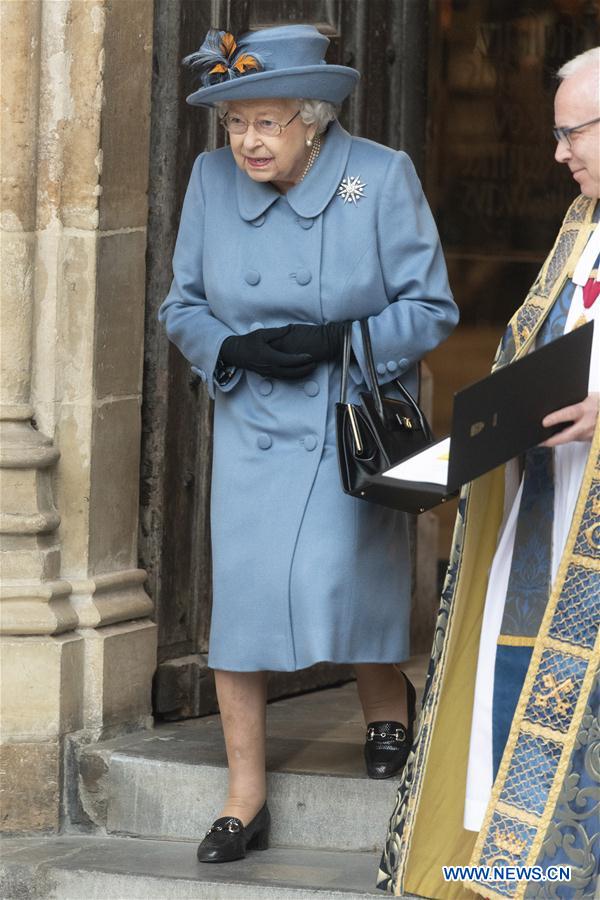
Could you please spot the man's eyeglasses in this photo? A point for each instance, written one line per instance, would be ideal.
(236, 125)
(564, 134)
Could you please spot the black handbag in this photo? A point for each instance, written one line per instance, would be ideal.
(377, 433)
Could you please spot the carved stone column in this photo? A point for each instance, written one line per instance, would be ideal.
(78, 647)
(38, 644)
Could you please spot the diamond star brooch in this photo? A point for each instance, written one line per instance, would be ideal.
(351, 189)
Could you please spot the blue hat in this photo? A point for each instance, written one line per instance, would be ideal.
(287, 61)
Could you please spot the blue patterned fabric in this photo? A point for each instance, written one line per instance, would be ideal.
(530, 573)
(535, 760)
(506, 844)
(511, 667)
(558, 682)
(574, 836)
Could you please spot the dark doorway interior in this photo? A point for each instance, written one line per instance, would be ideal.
(496, 192)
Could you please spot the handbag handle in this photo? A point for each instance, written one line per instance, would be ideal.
(416, 408)
(346, 351)
(368, 351)
(372, 374)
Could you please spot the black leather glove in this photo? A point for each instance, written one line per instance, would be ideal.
(322, 342)
(257, 351)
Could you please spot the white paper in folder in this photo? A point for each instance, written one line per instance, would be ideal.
(430, 465)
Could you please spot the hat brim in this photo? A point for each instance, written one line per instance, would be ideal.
(321, 82)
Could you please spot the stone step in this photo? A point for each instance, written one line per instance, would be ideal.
(169, 783)
(111, 868)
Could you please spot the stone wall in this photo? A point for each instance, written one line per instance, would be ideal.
(78, 648)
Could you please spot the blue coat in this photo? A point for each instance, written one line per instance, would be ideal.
(301, 572)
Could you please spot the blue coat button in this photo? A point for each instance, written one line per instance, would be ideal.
(310, 442)
(258, 222)
(392, 366)
(256, 325)
(264, 441)
(403, 363)
(381, 369)
(252, 277)
(311, 388)
(305, 223)
(303, 276)
(265, 387)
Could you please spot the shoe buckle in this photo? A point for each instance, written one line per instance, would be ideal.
(399, 734)
(232, 826)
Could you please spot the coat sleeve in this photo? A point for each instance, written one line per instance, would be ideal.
(421, 312)
(185, 312)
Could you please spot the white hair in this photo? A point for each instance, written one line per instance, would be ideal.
(579, 63)
(319, 112)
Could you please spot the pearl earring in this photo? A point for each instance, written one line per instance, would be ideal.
(309, 142)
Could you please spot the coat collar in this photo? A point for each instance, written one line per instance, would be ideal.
(309, 198)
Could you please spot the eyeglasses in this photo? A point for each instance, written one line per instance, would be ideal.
(564, 134)
(236, 125)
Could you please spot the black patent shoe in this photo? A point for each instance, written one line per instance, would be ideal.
(388, 744)
(227, 839)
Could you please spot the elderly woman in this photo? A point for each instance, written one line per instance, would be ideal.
(286, 235)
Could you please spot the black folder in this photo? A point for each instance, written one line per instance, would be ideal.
(500, 417)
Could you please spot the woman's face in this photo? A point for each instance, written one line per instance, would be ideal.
(280, 159)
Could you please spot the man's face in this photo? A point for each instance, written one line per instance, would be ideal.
(578, 100)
